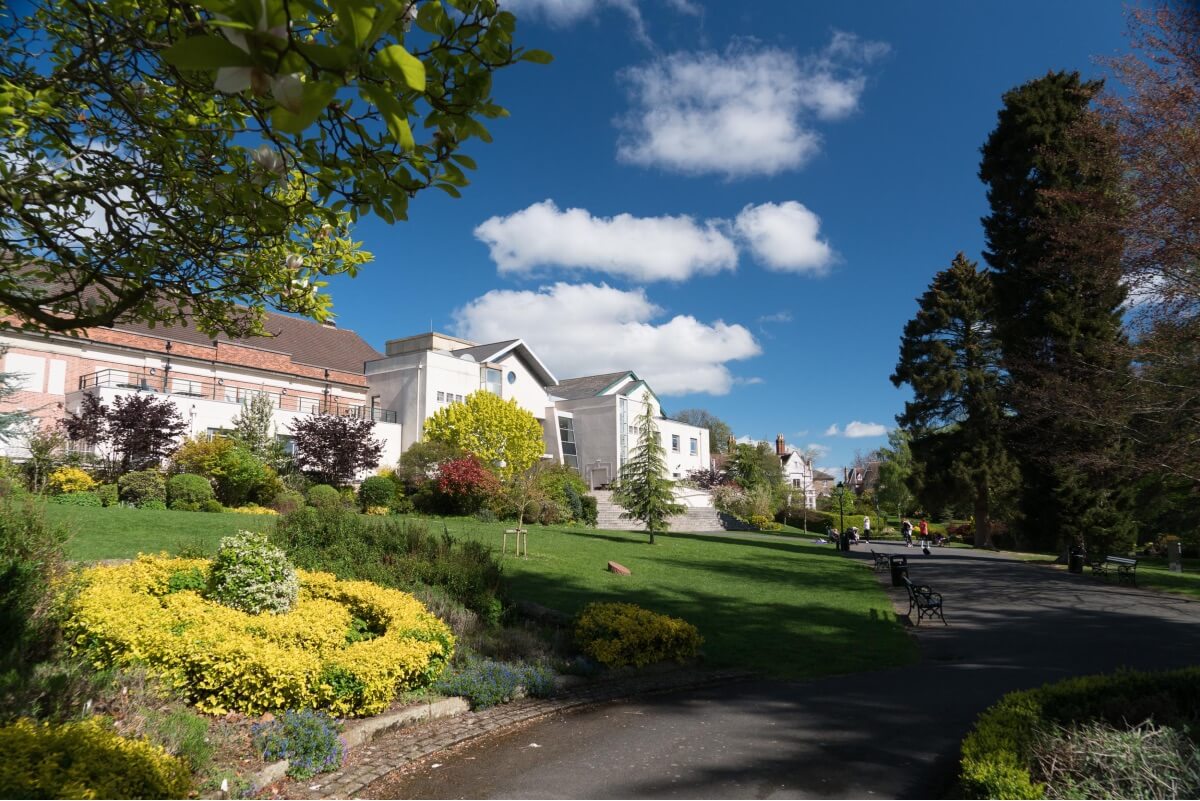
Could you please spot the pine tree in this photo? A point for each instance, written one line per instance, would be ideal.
(950, 357)
(641, 489)
(1058, 304)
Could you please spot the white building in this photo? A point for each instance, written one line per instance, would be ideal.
(797, 472)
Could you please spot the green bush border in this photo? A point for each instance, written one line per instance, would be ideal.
(997, 753)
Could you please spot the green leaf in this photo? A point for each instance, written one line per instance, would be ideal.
(403, 66)
(327, 57)
(355, 18)
(536, 56)
(466, 161)
(432, 18)
(394, 115)
(206, 53)
(315, 97)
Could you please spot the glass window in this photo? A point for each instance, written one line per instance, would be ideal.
(458, 398)
(675, 443)
(491, 380)
(441, 396)
(694, 446)
(566, 432)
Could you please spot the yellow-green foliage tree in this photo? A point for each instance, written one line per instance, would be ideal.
(499, 433)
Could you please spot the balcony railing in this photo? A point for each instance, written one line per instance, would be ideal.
(168, 383)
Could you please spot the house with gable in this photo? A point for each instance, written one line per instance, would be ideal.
(797, 471)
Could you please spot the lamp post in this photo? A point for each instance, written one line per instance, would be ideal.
(842, 515)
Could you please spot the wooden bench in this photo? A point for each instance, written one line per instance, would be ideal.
(927, 602)
(882, 564)
(1126, 568)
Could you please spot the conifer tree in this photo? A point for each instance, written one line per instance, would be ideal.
(1058, 305)
(641, 489)
(950, 357)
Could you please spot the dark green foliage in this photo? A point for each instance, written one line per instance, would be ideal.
(287, 500)
(1058, 297)
(31, 557)
(641, 489)
(77, 499)
(997, 756)
(190, 579)
(718, 429)
(143, 486)
(565, 488)
(487, 683)
(211, 505)
(393, 552)
(108, 494)
(376, 491)
(591, 512)
(188, 488)
(323, 496)
(755, 466)
(152, 503)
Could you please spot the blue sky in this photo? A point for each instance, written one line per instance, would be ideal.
(741, 201)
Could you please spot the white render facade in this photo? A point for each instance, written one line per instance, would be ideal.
(588, 423)
(797, 472)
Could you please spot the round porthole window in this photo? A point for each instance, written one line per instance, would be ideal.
(512, 377)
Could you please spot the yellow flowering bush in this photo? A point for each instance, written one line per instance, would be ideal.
(85, 760)
(347, 647)
(71, 479)
(617, 634)
(253, 509)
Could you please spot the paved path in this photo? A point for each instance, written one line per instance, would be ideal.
(891, 733)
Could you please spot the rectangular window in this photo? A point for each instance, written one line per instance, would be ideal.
(491, 380)
(675, 443)
(458, 398)
(566, 432)
(441, 396)
(694, 446)
(797, 483)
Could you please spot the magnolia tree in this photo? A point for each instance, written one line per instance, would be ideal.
(172, 161)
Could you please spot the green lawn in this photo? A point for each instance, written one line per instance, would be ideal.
(773, 603)
(121, 533)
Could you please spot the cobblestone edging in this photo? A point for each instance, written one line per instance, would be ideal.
(396, 748)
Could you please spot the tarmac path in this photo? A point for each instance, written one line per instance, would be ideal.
(885, 734)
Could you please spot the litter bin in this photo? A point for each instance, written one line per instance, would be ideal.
(1076, 558)
(899, 570)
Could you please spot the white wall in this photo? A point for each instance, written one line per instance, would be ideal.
(527, 389)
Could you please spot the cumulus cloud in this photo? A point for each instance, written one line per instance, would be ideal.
(585, 329)
(748, 111)
(637, 248)
(833, 430)
(857, 430)
(785, 237)
(563, 13)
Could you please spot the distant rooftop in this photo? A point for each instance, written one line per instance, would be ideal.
(588, 386)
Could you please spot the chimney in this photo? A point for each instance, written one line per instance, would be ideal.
(780, 447)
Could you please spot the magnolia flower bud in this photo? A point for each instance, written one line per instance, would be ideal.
(294, 262)
(266, 157)
(288, 91)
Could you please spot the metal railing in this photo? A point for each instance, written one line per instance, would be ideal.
(166, 382)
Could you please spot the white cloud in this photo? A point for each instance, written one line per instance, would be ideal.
(777, 317)
(832, 431)
(637, 248)
(785, 237)
(857, 430)
(585, 329)
(744, 112)
(817, 450)
(563, 13)
(750, 381)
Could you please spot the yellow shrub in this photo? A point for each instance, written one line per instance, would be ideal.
(253, 509)
(71, 479)
(378, 510)
(223, 659)
(85, 760)
(625, 634)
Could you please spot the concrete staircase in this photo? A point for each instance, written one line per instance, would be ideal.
(694, 519)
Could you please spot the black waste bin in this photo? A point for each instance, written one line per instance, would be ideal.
(899, 570)
(1076, 558)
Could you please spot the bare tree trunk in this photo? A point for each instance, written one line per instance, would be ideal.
(983, 522)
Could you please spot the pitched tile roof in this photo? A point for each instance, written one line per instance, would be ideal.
(307, 342)
(482, 353)
(588, 386)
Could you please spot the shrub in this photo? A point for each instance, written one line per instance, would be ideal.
(108, 494)
(223, 659)
(142, 486)
(77, 499)
(252, 575)
(152, 503)
(464, 486)
(764, 523)
(617, 634)
(287, 501)
(31, 561)
(486, 683)
(211, 505)
(188, 488)
(999, 754)
(323, 496)
(71, 479)
(253, 509)
(376, 491)
(378, 511)
(308, 740)
(184, 506)
(85, 760)
(565, 488)
(591, 511)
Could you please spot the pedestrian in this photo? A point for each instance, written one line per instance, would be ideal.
(867, 529)
(924, 529)
(906, 532)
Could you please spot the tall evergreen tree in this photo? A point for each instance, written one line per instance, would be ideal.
(642, 489)
(1058, 300)
(950, 357)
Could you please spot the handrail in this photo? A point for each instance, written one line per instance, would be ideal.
(189, 386)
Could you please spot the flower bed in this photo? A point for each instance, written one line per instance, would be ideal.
(347, 647)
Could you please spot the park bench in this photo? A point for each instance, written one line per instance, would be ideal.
(1125, 566)
(927, 602)
(881, 562)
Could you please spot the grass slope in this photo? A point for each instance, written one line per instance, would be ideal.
(121, 533)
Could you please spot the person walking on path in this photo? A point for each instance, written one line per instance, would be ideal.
(924, 529)
(906, 532)
(867, 529)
